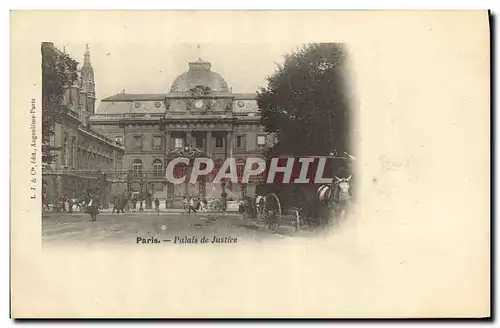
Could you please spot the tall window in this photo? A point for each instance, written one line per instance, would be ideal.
(157, 142)
(219, 142)
(239, 141)
(179, 142)
(240, 168)
(261, 141)
(138, 142)
(64, 150)
(137, 168)
(199, 142)
(158, 168)
(72, 153)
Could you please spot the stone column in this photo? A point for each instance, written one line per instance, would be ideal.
(208, 152)
(189, 137)
(208, 144)
(168, 141)
(169, 186)
(229, 144)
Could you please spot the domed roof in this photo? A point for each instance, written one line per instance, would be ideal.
(199, 74)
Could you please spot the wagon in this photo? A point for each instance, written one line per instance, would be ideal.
(269, 211)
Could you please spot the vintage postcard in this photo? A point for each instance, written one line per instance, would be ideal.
(254, 164)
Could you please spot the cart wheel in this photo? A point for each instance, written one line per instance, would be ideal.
(273, 227)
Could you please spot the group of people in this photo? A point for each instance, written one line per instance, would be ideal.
(251, 205)
(67, 204)
(191, 205)
(121, 202)
(89, 203)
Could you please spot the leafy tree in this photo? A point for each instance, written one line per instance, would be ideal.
(306, 106)
(59, 71)
(306, 102)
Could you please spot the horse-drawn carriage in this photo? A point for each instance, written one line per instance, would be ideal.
(269, 211)
(315, 207)
(331, 205)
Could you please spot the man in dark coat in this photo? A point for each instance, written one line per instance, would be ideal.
(94, 207)
(157, 205)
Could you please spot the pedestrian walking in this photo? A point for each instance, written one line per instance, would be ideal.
(191, 205)
(115, 205)
(203, 205)
(157, 205)
(94, 205)
(70, 205)
(224, 201)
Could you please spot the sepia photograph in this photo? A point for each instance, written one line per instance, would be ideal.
(204, 155)
(250, 164)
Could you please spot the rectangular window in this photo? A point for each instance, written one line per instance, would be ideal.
(199, 142)
(138, 142)
(261, 141)
(157, 142)
(179, 142)
(239, 141)
(219, 142)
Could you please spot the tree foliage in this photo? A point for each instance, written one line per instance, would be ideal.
(306, 102)
(59, 71)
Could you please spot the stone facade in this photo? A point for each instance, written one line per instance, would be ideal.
(200, 111)
(83, 152)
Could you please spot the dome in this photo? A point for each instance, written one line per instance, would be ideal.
(199, 74)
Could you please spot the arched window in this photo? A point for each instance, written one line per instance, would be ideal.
(137, 168)
(158, 168)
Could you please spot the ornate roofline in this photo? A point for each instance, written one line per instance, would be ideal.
(186, 151)
(130, 97)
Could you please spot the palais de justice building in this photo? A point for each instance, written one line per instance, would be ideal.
(199, 116)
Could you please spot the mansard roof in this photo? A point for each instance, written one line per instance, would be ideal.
(136, 97)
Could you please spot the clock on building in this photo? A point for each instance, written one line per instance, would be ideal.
(198, 103)
(241, 103)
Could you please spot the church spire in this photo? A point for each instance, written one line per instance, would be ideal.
(87, 74)
(87, 83)
(86, 58)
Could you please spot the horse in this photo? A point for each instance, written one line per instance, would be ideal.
(336, 197)
(343, 195)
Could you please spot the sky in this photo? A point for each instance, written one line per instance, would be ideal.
(151, 68)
